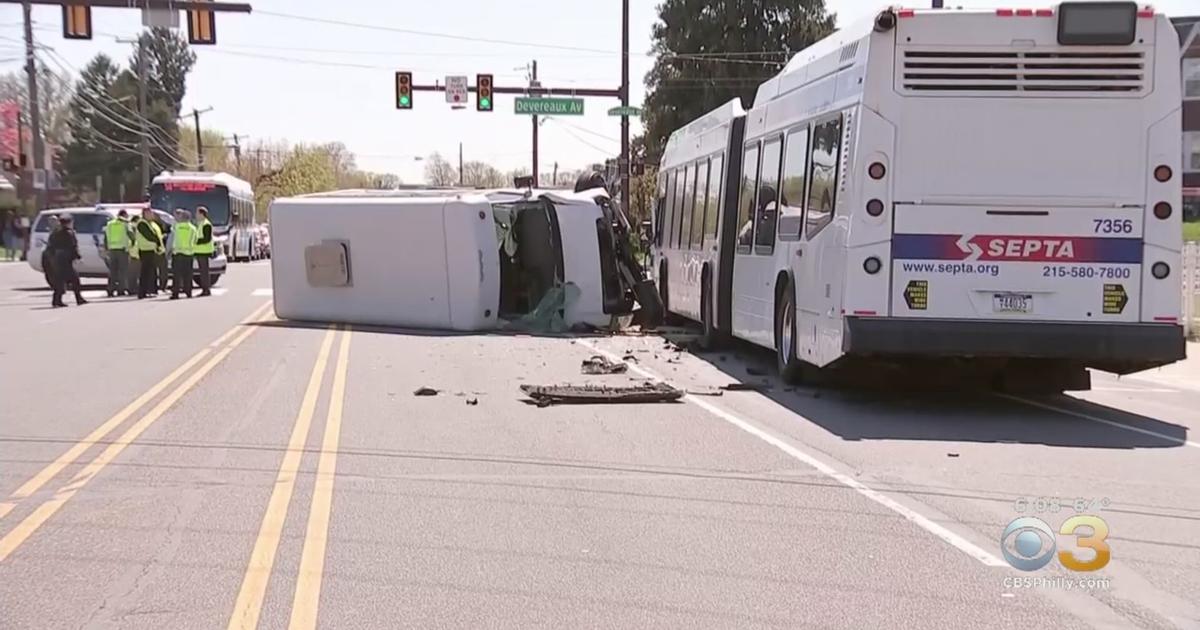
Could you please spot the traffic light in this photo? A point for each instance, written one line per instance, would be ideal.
(404, 91)
(202, 27)
(77, 21)
(483, 92)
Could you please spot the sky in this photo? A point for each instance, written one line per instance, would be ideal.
(273, 77)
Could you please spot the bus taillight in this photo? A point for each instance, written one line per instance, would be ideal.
(1162, 172)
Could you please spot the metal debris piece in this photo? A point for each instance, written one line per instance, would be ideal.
(629, 356)
(601, 394)
(425, 391)
(745, 387)
(598, 364)
(472, 401)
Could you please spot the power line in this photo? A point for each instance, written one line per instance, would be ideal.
(392, 29)
(588, 131)
(581, 140)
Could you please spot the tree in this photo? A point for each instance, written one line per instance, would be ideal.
(217, 154)
(99, 145)
(439, 172)
(169, 59)
(483, 175)
(710, 52)
(54, 100)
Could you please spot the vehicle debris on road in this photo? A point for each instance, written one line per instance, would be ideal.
(546, 395)
(598, 364)
(425, 391)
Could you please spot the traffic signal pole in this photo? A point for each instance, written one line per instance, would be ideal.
(623, 161)
(533, 83)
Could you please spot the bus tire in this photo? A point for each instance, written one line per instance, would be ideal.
(790, 367)
(663, 294)
(708, 337)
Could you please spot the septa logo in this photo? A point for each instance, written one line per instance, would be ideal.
(1032, 248)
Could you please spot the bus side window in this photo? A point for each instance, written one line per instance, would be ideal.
(822, 188)
(689, 204)
(664, 237)
(660, 205)
(746, 194)
(702, 176)
(711, 217)
(677, 218)
(791, 202)
(768, 198)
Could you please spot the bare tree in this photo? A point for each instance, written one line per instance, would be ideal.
(439, 172)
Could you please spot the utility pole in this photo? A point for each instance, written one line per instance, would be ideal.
(35, 114)
(554, 180)
(533, 83)
(199, 141)
(237, 154)
(144, 143)
(460, 165)
(20, 153)
(623, 162)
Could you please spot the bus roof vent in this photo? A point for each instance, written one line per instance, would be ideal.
(1026, 73)
(848, 51)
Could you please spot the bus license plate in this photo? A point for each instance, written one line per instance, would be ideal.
(1012, 302)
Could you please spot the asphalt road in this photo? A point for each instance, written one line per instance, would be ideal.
(199, 464)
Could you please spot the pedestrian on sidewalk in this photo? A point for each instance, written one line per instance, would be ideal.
(183, 248)
(66, 252)
(117, 236)
(149, 239)
(10, 235)
(205, 248)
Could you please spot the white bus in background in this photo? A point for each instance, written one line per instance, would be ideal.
(995, 187)
(230, 201)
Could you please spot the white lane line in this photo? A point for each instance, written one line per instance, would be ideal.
(263, 292)
(1111, 423)
(918, 519)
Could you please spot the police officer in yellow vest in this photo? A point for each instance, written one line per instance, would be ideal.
(205, 246)
(135, 268)
(149, 239)
(183, 248)
(117, 237)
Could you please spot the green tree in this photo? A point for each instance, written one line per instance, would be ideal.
(169, 59)
(439, 172)
(710, 51)
(99, 145)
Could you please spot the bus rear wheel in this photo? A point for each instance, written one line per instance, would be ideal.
(791, 369)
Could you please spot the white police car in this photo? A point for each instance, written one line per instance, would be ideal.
(89, 225)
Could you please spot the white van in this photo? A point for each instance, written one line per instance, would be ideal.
(89, 225)
(465, 260)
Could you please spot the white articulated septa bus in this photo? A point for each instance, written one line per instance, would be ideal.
(999, 187)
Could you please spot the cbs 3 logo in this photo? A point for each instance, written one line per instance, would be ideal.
(1028, 543)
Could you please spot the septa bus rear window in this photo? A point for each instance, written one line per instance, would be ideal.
(1097, 23)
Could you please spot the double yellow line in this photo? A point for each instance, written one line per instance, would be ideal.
(26, 528)
(248, 607)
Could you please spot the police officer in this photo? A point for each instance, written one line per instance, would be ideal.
(205, 246)
(149, 239)
(117, 236)
(65, 252)
(133, 278)
(183, 248)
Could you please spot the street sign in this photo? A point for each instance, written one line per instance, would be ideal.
(160, 18)
(456, 89)
(549, 106)
(625, 111)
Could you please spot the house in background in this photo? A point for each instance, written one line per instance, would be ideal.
(1189, 37)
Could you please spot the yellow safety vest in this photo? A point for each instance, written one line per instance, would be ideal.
(205, 249)
(185, 239)
(146, 245)
(116, 233)
(133, 250)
